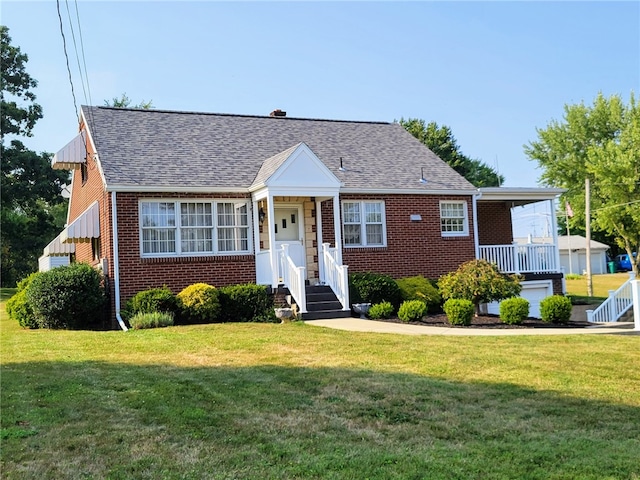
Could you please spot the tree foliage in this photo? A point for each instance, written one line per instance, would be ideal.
(441, 141)
(479, 282)
(33, 210)
(123, 101)
(600, 142)
(18, 119)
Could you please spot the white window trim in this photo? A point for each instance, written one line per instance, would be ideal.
(363, 233)
(178, 226)
(465, 220)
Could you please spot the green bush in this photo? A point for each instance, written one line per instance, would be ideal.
(152, 300)
(459, 311)
(419, 288)
(412, 310)
(151, 320)
(199, 304)
(514, 310)
(479, 282)
(70, 296)
(573, 276)
(555, 309)
(18, 307)
(374, 288)
(381, 310)
(245, 303)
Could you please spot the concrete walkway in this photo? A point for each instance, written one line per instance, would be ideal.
(364, 325)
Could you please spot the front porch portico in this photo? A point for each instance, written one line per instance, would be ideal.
(286, 196)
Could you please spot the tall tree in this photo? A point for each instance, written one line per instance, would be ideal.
(600, 142)
(441, 141)
(125, 102)
(31, 190)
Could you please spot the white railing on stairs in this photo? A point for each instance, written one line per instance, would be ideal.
(293, 278)
(616, 305)
(335, 275)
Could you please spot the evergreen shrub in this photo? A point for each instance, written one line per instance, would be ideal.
(412, 310)
(555, 309)
(245, 303)
(381, 310)
(459, 311)
(514, 310)
(199, 304)
(374, 288)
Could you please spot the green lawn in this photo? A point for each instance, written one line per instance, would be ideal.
(271, 401)
(601, 284)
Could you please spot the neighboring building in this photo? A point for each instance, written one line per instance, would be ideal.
(573, 253)
(172, 198)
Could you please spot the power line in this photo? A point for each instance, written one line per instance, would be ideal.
(75, 47)
(84, 61)
(66, 56)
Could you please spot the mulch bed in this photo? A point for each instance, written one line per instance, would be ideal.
(486, 321)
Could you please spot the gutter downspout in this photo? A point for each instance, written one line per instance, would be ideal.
(476, 241)
(116, 263)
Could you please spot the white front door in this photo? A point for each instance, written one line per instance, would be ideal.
(289, 228)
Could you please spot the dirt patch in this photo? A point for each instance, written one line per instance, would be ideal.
(488, 321)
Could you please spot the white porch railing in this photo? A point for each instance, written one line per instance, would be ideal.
(529, 258)
(293, 278)
(616, 305)
(335, 275)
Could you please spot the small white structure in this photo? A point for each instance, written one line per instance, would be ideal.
(46, 263)
(573, 253)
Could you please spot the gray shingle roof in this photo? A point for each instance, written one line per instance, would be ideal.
(166, 149)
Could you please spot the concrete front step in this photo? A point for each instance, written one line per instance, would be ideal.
(318, 306)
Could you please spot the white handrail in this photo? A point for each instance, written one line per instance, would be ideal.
(529, 258)
(293, 278)
(616, 305)
(335, 275)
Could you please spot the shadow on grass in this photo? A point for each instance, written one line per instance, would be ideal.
(104, 420)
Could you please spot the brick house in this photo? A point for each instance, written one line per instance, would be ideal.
(173, 198)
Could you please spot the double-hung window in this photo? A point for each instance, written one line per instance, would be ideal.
(453, 218)
(364, 224)
(174, 228)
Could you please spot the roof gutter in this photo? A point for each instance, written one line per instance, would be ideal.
(116, 262)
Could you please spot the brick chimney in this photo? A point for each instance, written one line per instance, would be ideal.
(278, 113)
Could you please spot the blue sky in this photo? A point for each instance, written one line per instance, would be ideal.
(492, 71)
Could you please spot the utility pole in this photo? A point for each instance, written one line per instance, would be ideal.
(587, 214)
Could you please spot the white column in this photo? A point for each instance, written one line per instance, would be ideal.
(635, 292)
(272, 241)
(474, 212)
(337, 227)
(319, 240)
(554, 229)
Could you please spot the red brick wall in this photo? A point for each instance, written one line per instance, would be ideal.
(413, 248)
(494, 223)
(138, 273)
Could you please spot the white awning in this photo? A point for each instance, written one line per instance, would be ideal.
(83, 228)
(72, 155)
(57, 248)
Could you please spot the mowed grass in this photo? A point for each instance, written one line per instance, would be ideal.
(271, 401)
(601, 284)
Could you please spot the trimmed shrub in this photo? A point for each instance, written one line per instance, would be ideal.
(152, 300)
(381, 310)
(479, 282)
(412, 310)
(199, 304)
(555, 309)
(70, 296)
(573, 276)
(374, 288)
(419, 288)
(245, 303)
(459, 311)
(514, 310)
(18, 307)
(151, 320)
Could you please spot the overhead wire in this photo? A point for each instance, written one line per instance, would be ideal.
(75, 47)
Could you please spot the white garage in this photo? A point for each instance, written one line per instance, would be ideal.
(534, 291)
